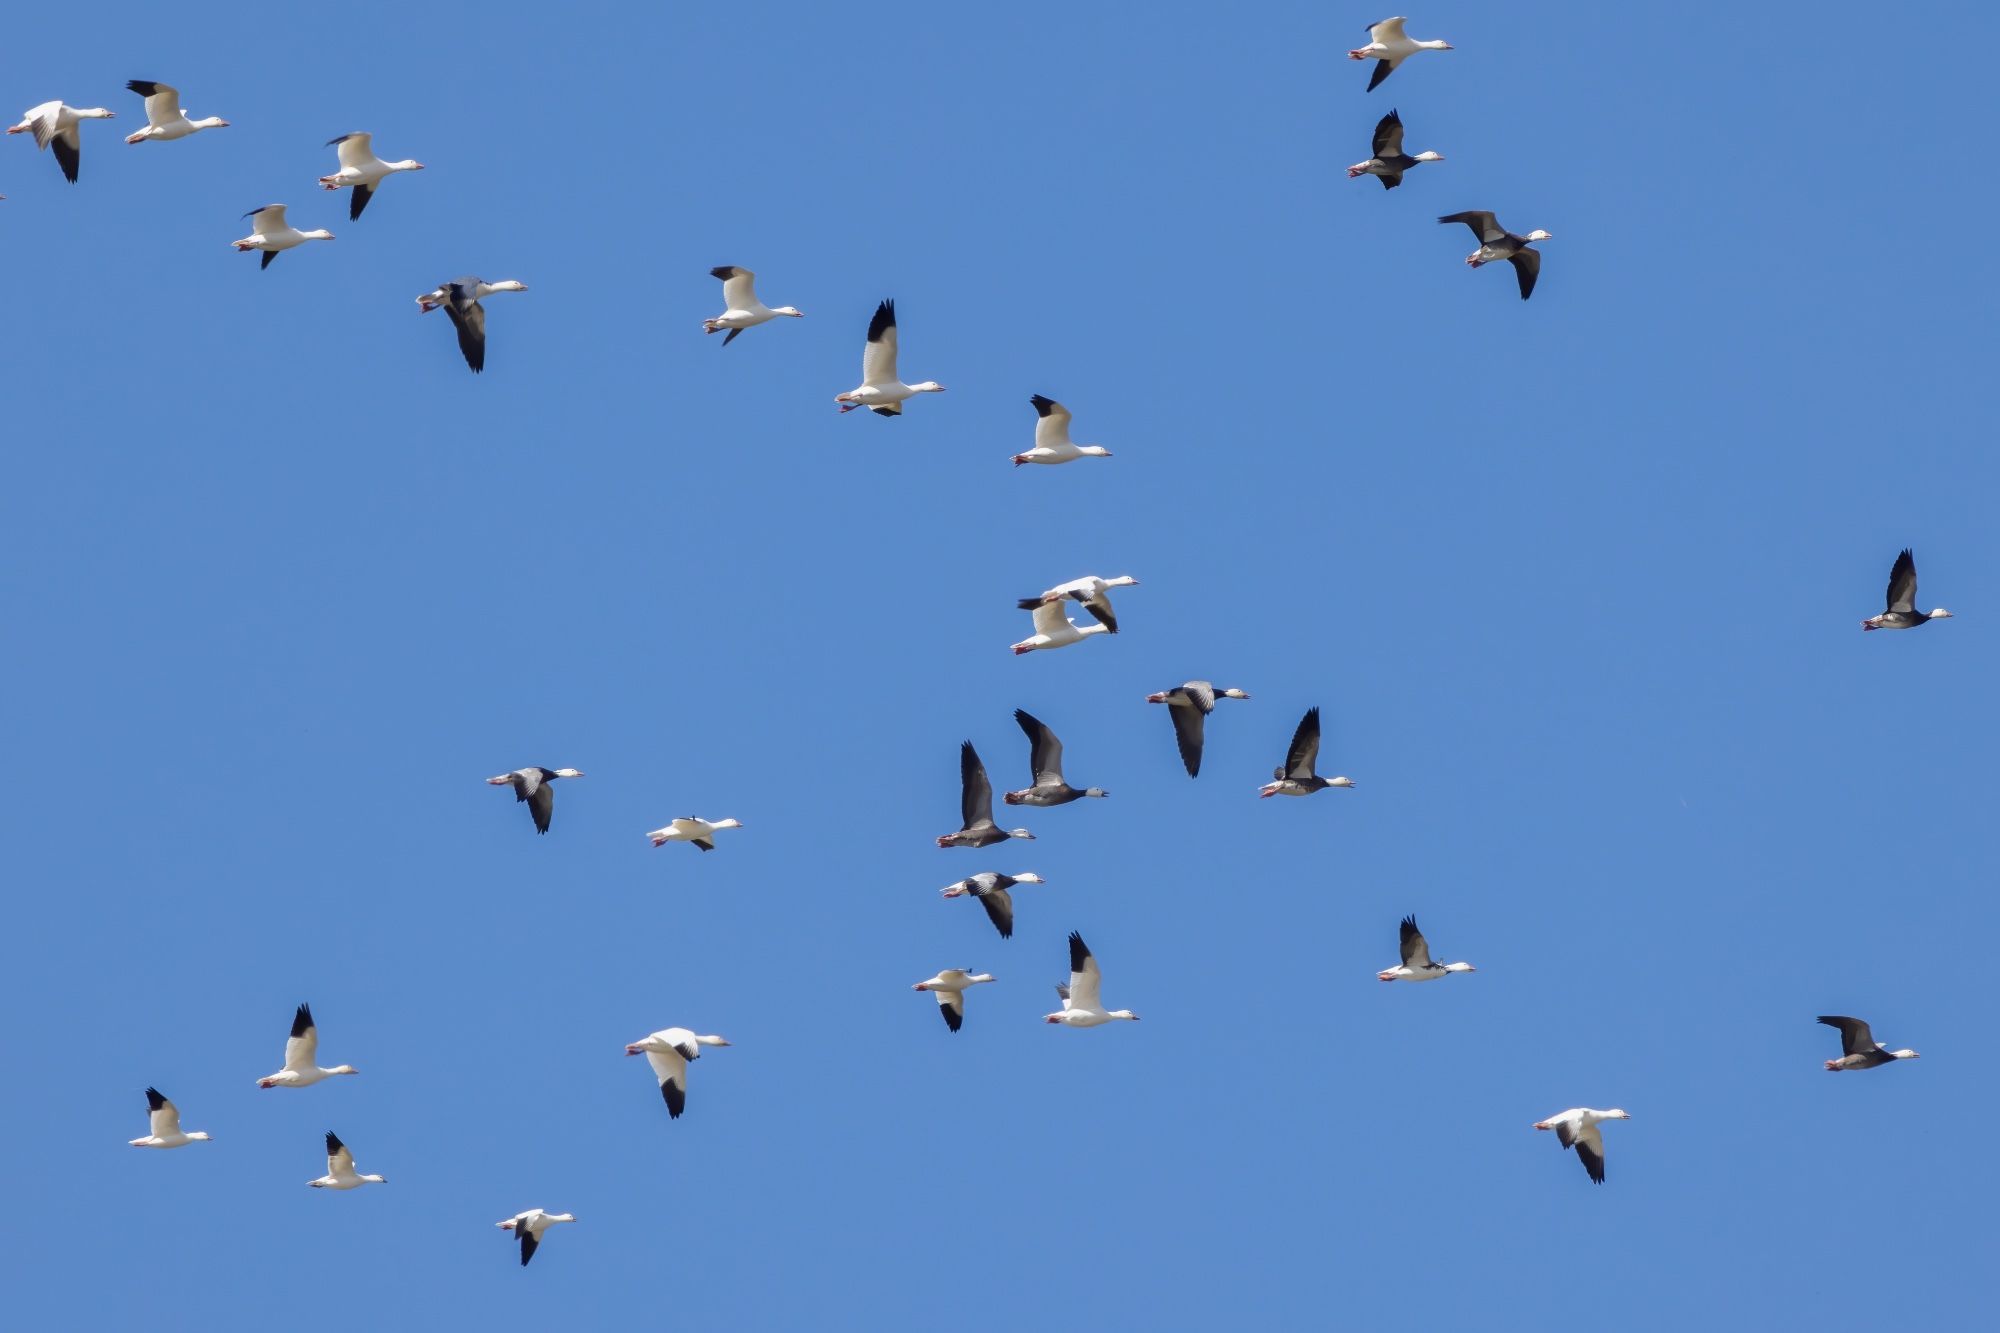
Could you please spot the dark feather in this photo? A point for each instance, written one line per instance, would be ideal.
(1043, 405)
(730, 337)
(143, 87)
(1527, 267)
(333, 1143)
(1592, 1163)
(469, 317)
(1079, 952)
(885, 319)
(1382, 71)
(528, 1242)
(360, 195)
(68, 156)
(975, 803)
(999, 905)
(269, 255)
(154, 1100)
(676, 1099)
(302, 1021)
(542, 806)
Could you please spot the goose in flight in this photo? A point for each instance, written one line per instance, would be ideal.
(361, 169)
(1417, 964)
(302, 1056)
(1496, 242)
(340, 1169)
(164, 117)
(529, 1226)
(1577, 1128)
(882, 391)
(975, 803)
(59, 129)
(165, 1125)
(1092, 592)
(460, 299)
(1389, 46)
(687, 828)
(1390, 161)
(271, 233)
(990, 888)
(1295, 777)
(1858, 1047)
(532, 785)
(1052, 443)
(1054, 628)
(1045, 760)
(668, 1052)
(744, 310)
(1082, 1006)
(1189, 705)
(1902, 611)
(950, 985)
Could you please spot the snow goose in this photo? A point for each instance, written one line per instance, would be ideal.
(1902, 611)
(1859, 1049)
(272, 234)
(1390, 161)
(58, 128)
(975, 803)
(700, 832)
(302, 1056)
(669, 1051)
(1577, 1128)
(1045, 759)
(165, 1125)
(1417, 964)
(1093, 592)
(1052, 444)
(1053, 628)
(164, 117)
(744, 311)
(532, 785)
(1389, 46)
(1188, 705)
(460, 299)
(990, 888)
(529, 1226)
(1295, 777)
(1082, 1006)
(881, 391)
(361, 169)
(950, 984)
(340, 1169)
(1496, 242)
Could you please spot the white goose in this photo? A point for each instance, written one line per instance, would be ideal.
(1082, 1005)
(340, 1169)
(1389, 46)
(302, 1056)
(882, 391)
(1092, 591)
(1052, 442)
(668, 1052)
(165, 1125)
(272, 234)
(58, 128)
(1054, 628)
(1577, 1128)
(744, 311)
(529, 1226)
(949, 985)
(164, 117)
(361, 169)
(700, 832)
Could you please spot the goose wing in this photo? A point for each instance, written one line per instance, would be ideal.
(339, 1161)
(1903, 583)
(1051, 423)
(1855, 1036)
(1304, 753)
(1386, 31)
(738, 286)
(530, 1242)
(1416, 950)
(951, 1004)
(356, 150)
(542, 800)
(1188, 727)
(1044, 750)
(1050, 618)
(1389, 136)
(163, 101)
(302, 1047)
(878, 358)
(269, 218)
(1590, 1151)
(1085, 981)
(975, 803)
(1483, 225)
(999, 905)
(43, 120)
(670, 1068)
(163, 1117)
(1527, 267)
(1098, 603)
(469, 318)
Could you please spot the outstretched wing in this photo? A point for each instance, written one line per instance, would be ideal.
(470, 319)
(1590, 1151)
(1416, 950)
(1051, 424)
(1044, 750)
(999, 905)
(339, 1161)
(975, 798)
(542, 800)
(1187, 734)
(163, 101)
(951, 1004)
(878, 358)
(163, 1117)
(1483, 225)
(302, 1047)
(1855, 1036)
(1085, 981)
(1389, 136)
(738, 287)
(1903, 583)
(1383, 69)
(1304, 753)
(1527, 267)
(356, 150)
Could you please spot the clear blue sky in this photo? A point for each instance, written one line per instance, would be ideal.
(1576, 584)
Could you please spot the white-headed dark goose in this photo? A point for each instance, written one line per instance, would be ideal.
(1390, 161)
(1389, 46)
(1091, 591)
(1052, 443)
(164, 1129)
(59, 129)
(744, 310)
(668, 1051)
(1045, 761)
(949, 986)
(1083, 1006)
(1577, 1128)
(1295, 777)
(1189, 705)
(302, 1068)
(1858, 1047)
(687, 828)
(882, 390)
(361, 170)
(990, 888)
(1417, 964)
(532, 785)
(272, 233)
(340, 1173)
(1496, 242)
(460, 299)
(1902, 611)
(529, 1226)
(975, 803)
(164, 118)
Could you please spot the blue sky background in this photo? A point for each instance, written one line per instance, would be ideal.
(1576, 584)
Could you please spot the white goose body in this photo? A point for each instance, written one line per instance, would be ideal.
(744, 311)
(1389, 46)
(340, 1173)
(302, 1068)
(1577, 1128)
(272, 233)
(1052, 442)
(58, 128)
(687, 828)
(530, 1226)
(1054, 629)
(882, 389)
(668, 1051)
(360, 170)
(164, 118)
(949, 985)
(164, 1125)
(1083, 1005)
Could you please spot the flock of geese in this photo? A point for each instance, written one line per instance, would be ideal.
(670, 1051)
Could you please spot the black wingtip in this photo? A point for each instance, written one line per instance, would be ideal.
(154, 1099)
(302, 1020)
(1027, 604)
(143, 87)
(358, 200)
(676, 1099)
(952, 1019)
(723, 271)
(1043, 404)
(1078, 951)
(1382, 68)
(333, 1143)
(884, 320)
(269, 255)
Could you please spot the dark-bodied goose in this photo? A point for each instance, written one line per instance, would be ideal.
(1390, 161)
(164, 118)
(1295, 777)
(949, 986)
(302, 1068)
(1389, 46)
(529, 1226)
(1052, 442)
(59, 129)
(744, 310)
(975, 803)
(1417, 964)
(361, 169)
(1902, 612)
(1189, 704)
(460, 299)
(990, 888)
(1496, 242)
(532, 785)
(340, 1172)
(882, 390)
(668, 1051)
(164, 1125)
(1045, 760)
(1083, 1006)
(1859, 1049)
(1577, 1128)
